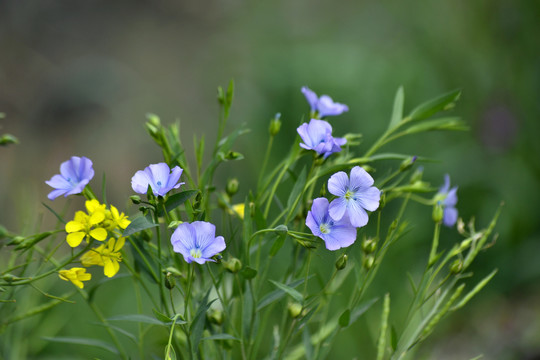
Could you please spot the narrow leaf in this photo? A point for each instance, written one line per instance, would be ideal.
(475, 291)
(296, 192)
(431, 107)
(178, 199)
(289, 290)
(276, 295)
(139, 224)
(220, 337)
(140, 318)
(197, 326)
(397, 111)
(381, 345)
(83, 341)
(345, 318)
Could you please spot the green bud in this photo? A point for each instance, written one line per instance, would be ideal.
(223, 201)
(220, 95)
(232, 186)
(417, 175)
(369, 245)
(456, 266)
(438, 212)
(170, 282)
(368, 168)
(341, 262)
(368, 262)
(135, 199)
(407, 163)
(233, 155)
(215, 317)
(281, 229)
(295, 309)
(8, 139)
(16, 240)
(275, 125)
(233, 265)
(174, 224)
(8, 278)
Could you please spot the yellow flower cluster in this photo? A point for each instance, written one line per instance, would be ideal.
(98, 223)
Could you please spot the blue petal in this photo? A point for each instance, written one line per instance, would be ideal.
(360, 179)
(369, 198)
(337, 208)
(340, 236)
(140, 182)
(357, 214)
(338, 184)
(311, 97)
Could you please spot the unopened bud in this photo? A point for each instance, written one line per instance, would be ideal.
(233, 265)
(295, 309)
(417, 175)
(275, 125)
(8, 278)
(8, 139)
(174, 224)
(369, 245)
(407, 163)
(438, 212)
(234, 155)
(368, 262)
(136, 199)
(170, 282)
(456, 266)
(16, 240)
(215, 317)
(281, 229)
(341, 262)
(232, 186)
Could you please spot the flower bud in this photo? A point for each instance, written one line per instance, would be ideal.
(233, 155)
(341, 262)
(215, 317)
(275, 125)
(223, 201)
(456, 266)
(368, 262)
(233, 265)
(135, 199)
(369, 245)
(16, 240)
(174, 224)
(8, 278)
(417, 175)
(281, 229)
(438, 212)
(232, 186)
(295, 309)
(170, 282)
(407, 163)
(7, 139)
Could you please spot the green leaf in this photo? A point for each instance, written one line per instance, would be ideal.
(393, 338)
(344, 318)
(139, 224)
(177, 199)
(84, 341)
(248, 273)
(276, 294)
(278, 243)
(197, 325)
(140, 318)
(55, 214)
(161, 317)
(120, 330)
(381, 345)
(289, 290)
(296, 193)
(397, 111)
(474, 291)
(449, 123)
(221, 337)
(431, 107)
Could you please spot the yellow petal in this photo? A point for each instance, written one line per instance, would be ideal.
(74, 239)
(111, 267)
(124, 223)
(97, 217)
(114, 212)
(99, 234)
(119, 244)
(73, 226)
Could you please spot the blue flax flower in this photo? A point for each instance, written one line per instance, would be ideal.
(197, 241)
(317, 136)
(74, 175)
(448, 198)
(324, 105)
(160, 178)
(355, 196)
(336, 234)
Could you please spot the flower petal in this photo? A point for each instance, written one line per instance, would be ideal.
(98, 234)
(73, 226)
(369, 199)
(183, 239)
(216, 246)
(340, 236)
(311, 97)
(338, 184)
(357, 214)
(74, 239)
(140, 182)
(337, 208)
(360, 179)
(450, 216)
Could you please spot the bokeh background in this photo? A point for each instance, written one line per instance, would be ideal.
(77, 78)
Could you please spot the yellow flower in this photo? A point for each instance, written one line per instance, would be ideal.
(106, 255)
(117, 219)
(85, 226)
(76, 275)
(238, 209)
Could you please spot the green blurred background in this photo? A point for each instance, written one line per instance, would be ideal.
(77, 78)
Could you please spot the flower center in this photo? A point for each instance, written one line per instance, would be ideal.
(324, 228)
(349, 195)
(195, 253)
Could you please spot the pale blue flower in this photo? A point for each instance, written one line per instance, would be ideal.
(317, 136)
(197, 242)
(159, 177)
(336, 234)
(324, 105)
(74, 175)
(448, 198)
(355, 196)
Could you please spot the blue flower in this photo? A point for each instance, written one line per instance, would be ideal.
(197, 241)
(448, 198)
(74, 175)
(159, 177)
(317, 136)
(355, 196)
(336, 234)
(324, 105)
